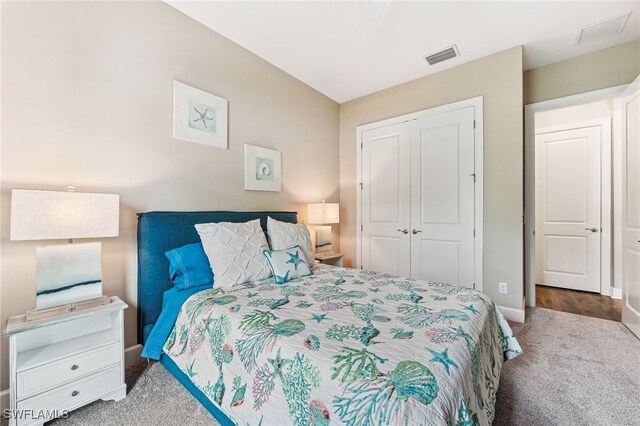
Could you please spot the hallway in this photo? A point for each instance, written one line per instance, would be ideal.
(578, 302)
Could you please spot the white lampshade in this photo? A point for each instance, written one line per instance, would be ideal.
(323, 213)
(52, 215)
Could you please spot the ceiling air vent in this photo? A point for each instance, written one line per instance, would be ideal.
(599, 30)
(443, 55)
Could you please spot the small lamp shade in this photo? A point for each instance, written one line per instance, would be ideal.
(53, 215)
(323, 213)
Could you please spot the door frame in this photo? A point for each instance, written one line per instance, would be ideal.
(529, 186)
(478, 133)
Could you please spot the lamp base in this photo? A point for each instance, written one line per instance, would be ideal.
(36, 314)
(67, 273)
(323, 239)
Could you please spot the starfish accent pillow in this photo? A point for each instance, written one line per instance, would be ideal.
(287, 264)
(283, 235)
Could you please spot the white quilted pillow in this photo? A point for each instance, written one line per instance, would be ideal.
(235, 252)
(283, 236)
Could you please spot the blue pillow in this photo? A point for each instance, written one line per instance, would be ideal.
(189, 266)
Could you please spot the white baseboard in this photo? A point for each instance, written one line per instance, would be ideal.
(616, 293)
(515, 315)
(4, 400)
(132, 354)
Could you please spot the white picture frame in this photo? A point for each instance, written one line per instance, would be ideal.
(262, 169)
(199, 116)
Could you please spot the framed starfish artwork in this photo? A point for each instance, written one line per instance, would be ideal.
(262, 169)
(199, 116)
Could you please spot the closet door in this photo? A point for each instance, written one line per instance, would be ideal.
(442, 197)
(386, 199)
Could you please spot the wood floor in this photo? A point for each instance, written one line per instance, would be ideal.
(578, 302)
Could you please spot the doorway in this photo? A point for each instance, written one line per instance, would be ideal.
(573, 198)
(568, 204)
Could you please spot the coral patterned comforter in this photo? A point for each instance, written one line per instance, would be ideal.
(345, 346)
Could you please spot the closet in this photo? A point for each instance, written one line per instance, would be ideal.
(420, 195)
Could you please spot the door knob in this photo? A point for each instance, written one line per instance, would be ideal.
(591, 229)
(415, 231)
(404, 231)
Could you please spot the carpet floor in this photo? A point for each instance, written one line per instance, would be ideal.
(575, 370)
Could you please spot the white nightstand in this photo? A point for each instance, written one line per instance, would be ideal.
(334, 259)
(62, 362)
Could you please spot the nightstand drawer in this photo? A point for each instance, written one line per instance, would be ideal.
(73, 395)
(40, 378)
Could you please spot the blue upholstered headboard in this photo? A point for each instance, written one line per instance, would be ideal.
(159, 232)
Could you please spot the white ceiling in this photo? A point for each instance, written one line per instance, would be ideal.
(350, 49)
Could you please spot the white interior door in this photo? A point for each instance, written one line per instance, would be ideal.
(568, 179)
(631, 207)
(385, 200)
(442, 197)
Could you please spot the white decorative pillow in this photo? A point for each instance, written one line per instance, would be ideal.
(235, 251)
(283, 235)
(287, 264)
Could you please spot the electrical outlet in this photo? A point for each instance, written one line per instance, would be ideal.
(503, 288)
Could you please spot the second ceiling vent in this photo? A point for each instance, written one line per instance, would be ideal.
(443, 55)
(603, 29)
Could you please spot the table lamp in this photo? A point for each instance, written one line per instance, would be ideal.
(68, 276)
(323, 214)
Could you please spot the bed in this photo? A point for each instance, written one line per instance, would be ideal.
(341, 346)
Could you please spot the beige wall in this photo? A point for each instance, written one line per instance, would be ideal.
(499, 79)
(575, 114)
(86, 101)
(605, 68)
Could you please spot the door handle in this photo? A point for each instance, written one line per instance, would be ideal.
(416, 231)
(404, 231)
(591, 229)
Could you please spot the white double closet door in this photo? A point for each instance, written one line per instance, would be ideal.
(418, 198)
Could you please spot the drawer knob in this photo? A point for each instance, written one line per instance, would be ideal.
(74, 367)
(74, 393)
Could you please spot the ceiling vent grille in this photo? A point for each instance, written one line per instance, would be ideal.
(599, 30)
(443, 55)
